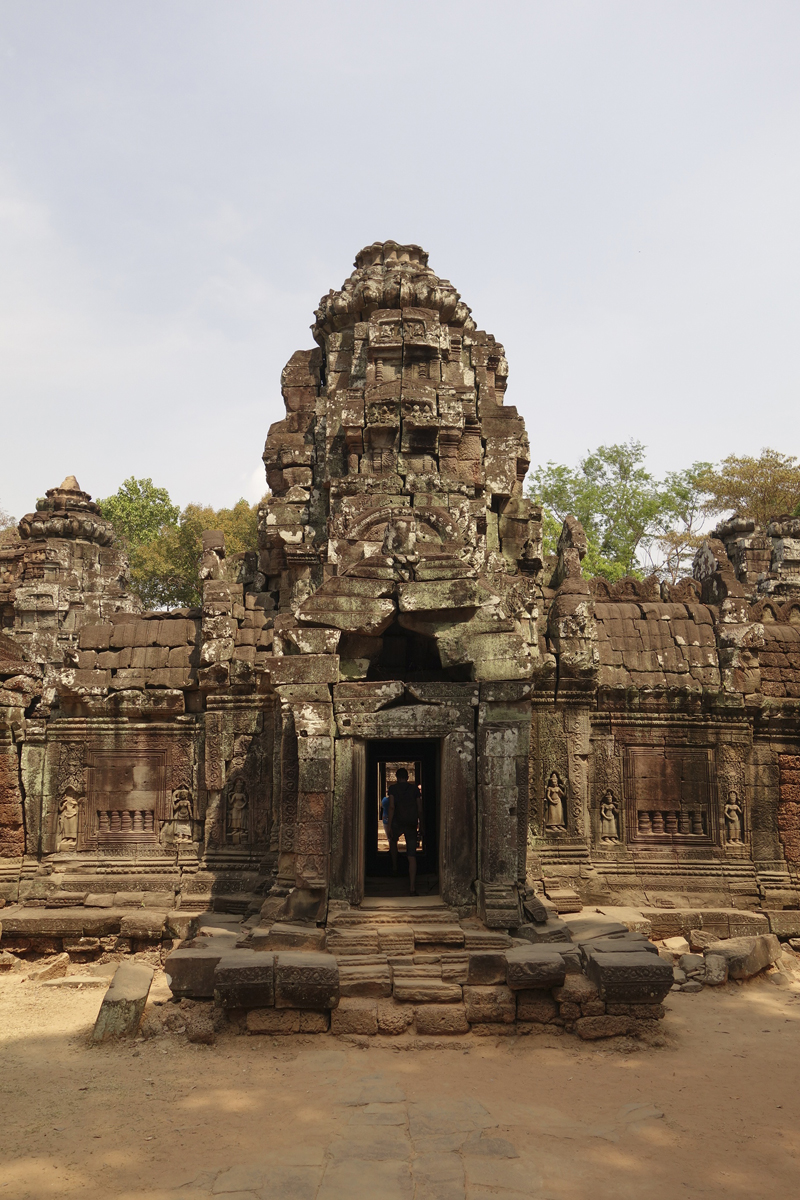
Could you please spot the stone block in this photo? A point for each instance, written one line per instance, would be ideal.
(304, 979)
(189, 971)
(124, 1002)
(440, 1019)
(536, 1005)
(492, 1004)
(455, 966)
(534, 967)
(393, 1017)
(312, 1021)
(642, 1012)
(716, 970)
(423, 984)
(245, 979)
(351, 940)
(355, 1014)
(586, 925)
(442, 934)
(577, 988)
(591, 1028)
(396, 939)
(551, 930)
(99, 900)
(784, 922)
(285, 936)
(273, 1020)
(145, 925)
(55, 968)
(747, 956)
(636, 976)
(365, 975)
(128, 899)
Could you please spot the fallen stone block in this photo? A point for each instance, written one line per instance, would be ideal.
(747, 956)
(304, 979)
(692, 986)
(124, 1002)
(784, 922)
(619, 945)
(585, 925)
(189, 970)
(179, 923)
(591, 1028)
(440, 1019)
(53, 969)
(8, 962)
(636, 976)
(534, 967)
(285, 936)
(355, 1014)
(245, 979)
(716, 969)
(490, 1004)
(551, 930)
(199, 1018)
(676, 945)
(692, 964)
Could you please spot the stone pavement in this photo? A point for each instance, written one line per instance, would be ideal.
(389, 1147)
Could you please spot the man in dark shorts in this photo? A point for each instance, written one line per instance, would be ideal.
(405, 818)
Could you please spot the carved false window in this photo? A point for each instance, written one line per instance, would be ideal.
(670, 796)
(127, 798)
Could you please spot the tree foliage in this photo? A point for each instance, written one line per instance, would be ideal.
(139, 511)
(760, 488)
(8, 529)
(164, 543)
(633, 521)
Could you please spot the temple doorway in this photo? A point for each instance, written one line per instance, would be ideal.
(420, 758)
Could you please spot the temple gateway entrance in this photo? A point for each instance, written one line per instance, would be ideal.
(420, 758)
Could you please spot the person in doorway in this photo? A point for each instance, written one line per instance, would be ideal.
(405, 819)
(385, 802)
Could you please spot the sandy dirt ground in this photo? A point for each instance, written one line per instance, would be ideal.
(713, 1112)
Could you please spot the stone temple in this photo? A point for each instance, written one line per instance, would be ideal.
(633, 744)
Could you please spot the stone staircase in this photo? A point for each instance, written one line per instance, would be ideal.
(413, 948)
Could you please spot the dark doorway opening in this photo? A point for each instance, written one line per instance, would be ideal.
(421, 760)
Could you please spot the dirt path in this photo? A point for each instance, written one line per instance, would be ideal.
(547, 1117)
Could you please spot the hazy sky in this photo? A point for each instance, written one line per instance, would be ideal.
(612, 186)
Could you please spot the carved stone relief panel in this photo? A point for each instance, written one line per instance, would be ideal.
(670, 795)
(127, 797)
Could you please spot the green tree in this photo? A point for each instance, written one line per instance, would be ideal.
(635, 524)
(139, 511)
(759, 488)
(164, 543)
(8, 529)
(164, 570)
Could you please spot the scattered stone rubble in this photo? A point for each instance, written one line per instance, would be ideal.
(629, 745)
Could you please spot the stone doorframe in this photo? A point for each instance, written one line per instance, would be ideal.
(453, 726)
